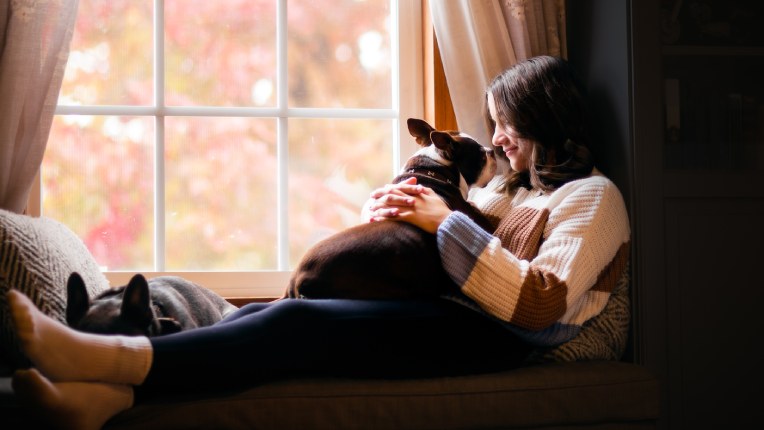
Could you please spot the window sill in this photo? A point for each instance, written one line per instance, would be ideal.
(252, 286)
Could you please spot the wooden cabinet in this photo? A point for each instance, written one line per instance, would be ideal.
(704, 206)
(713, 208)
(712, 55)
(693, 166)
(714, 107)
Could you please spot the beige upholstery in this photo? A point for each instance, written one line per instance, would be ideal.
(601, 394)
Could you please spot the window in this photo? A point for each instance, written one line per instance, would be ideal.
(219, 140)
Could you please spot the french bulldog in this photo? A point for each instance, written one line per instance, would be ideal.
(162, 305)
(397, 260)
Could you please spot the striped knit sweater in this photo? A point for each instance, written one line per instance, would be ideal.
(552, 262)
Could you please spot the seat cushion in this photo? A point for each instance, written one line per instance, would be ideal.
(601, 394)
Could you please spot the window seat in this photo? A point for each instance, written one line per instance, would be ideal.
(595, 394)
(571, 395)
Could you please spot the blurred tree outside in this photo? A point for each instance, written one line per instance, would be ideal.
(220, 173)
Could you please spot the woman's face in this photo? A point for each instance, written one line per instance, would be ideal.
(517, 149)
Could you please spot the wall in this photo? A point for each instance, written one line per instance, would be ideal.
(598, 49)
(598, 42)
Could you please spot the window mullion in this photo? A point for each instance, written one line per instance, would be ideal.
(159, 144)
(226, 111)
(282, 136)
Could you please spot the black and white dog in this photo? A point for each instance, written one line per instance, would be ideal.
(162, 305)
(389, 259)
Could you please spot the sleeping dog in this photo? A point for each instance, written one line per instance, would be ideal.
(395, 260)
(163, 305)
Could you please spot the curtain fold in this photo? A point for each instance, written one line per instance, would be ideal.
(478, 39)
(35, 37)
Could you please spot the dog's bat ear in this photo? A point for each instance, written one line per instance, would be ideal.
(420, 130)
(445, 143)
(77, 300)
(136, 301)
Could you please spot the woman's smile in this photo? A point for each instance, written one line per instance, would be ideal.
(516, 148)
(510, 150)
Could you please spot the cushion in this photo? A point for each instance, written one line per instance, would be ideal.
(591, 394)
(37, 255)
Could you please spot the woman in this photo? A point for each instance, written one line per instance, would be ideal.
(561, 241)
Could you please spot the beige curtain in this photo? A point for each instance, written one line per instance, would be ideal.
(480, 38)
(34, 47)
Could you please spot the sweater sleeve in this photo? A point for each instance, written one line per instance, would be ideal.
(585, 227)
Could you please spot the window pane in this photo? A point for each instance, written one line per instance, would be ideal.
(220, 178)
(106, 199)
(221, 194)
(220, 53)
(333, 166)
(341, 58)
(111, 54)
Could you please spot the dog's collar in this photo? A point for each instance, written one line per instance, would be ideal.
(455, 179)
(431, 173)
(424, 166)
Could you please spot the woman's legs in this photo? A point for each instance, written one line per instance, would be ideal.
(258, 343)
(331, 337)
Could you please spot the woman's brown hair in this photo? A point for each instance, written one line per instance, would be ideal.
(543, 102)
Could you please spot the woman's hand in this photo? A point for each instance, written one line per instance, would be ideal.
(407, 201)
(386, 202)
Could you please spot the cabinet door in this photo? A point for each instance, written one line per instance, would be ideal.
(714, 295)
(699, 169)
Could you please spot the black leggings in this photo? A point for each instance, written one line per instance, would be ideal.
(350, 338)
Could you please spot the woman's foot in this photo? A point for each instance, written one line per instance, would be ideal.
(71, 405)
(64, 354)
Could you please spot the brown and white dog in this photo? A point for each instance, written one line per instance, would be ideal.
(162, 305)
(395, 260)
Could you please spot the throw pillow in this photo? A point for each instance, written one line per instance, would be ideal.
(603, 337)
(37, 255)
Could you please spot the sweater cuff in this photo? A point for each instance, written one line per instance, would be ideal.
(461, 242)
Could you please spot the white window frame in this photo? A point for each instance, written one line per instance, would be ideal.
(408, 101)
